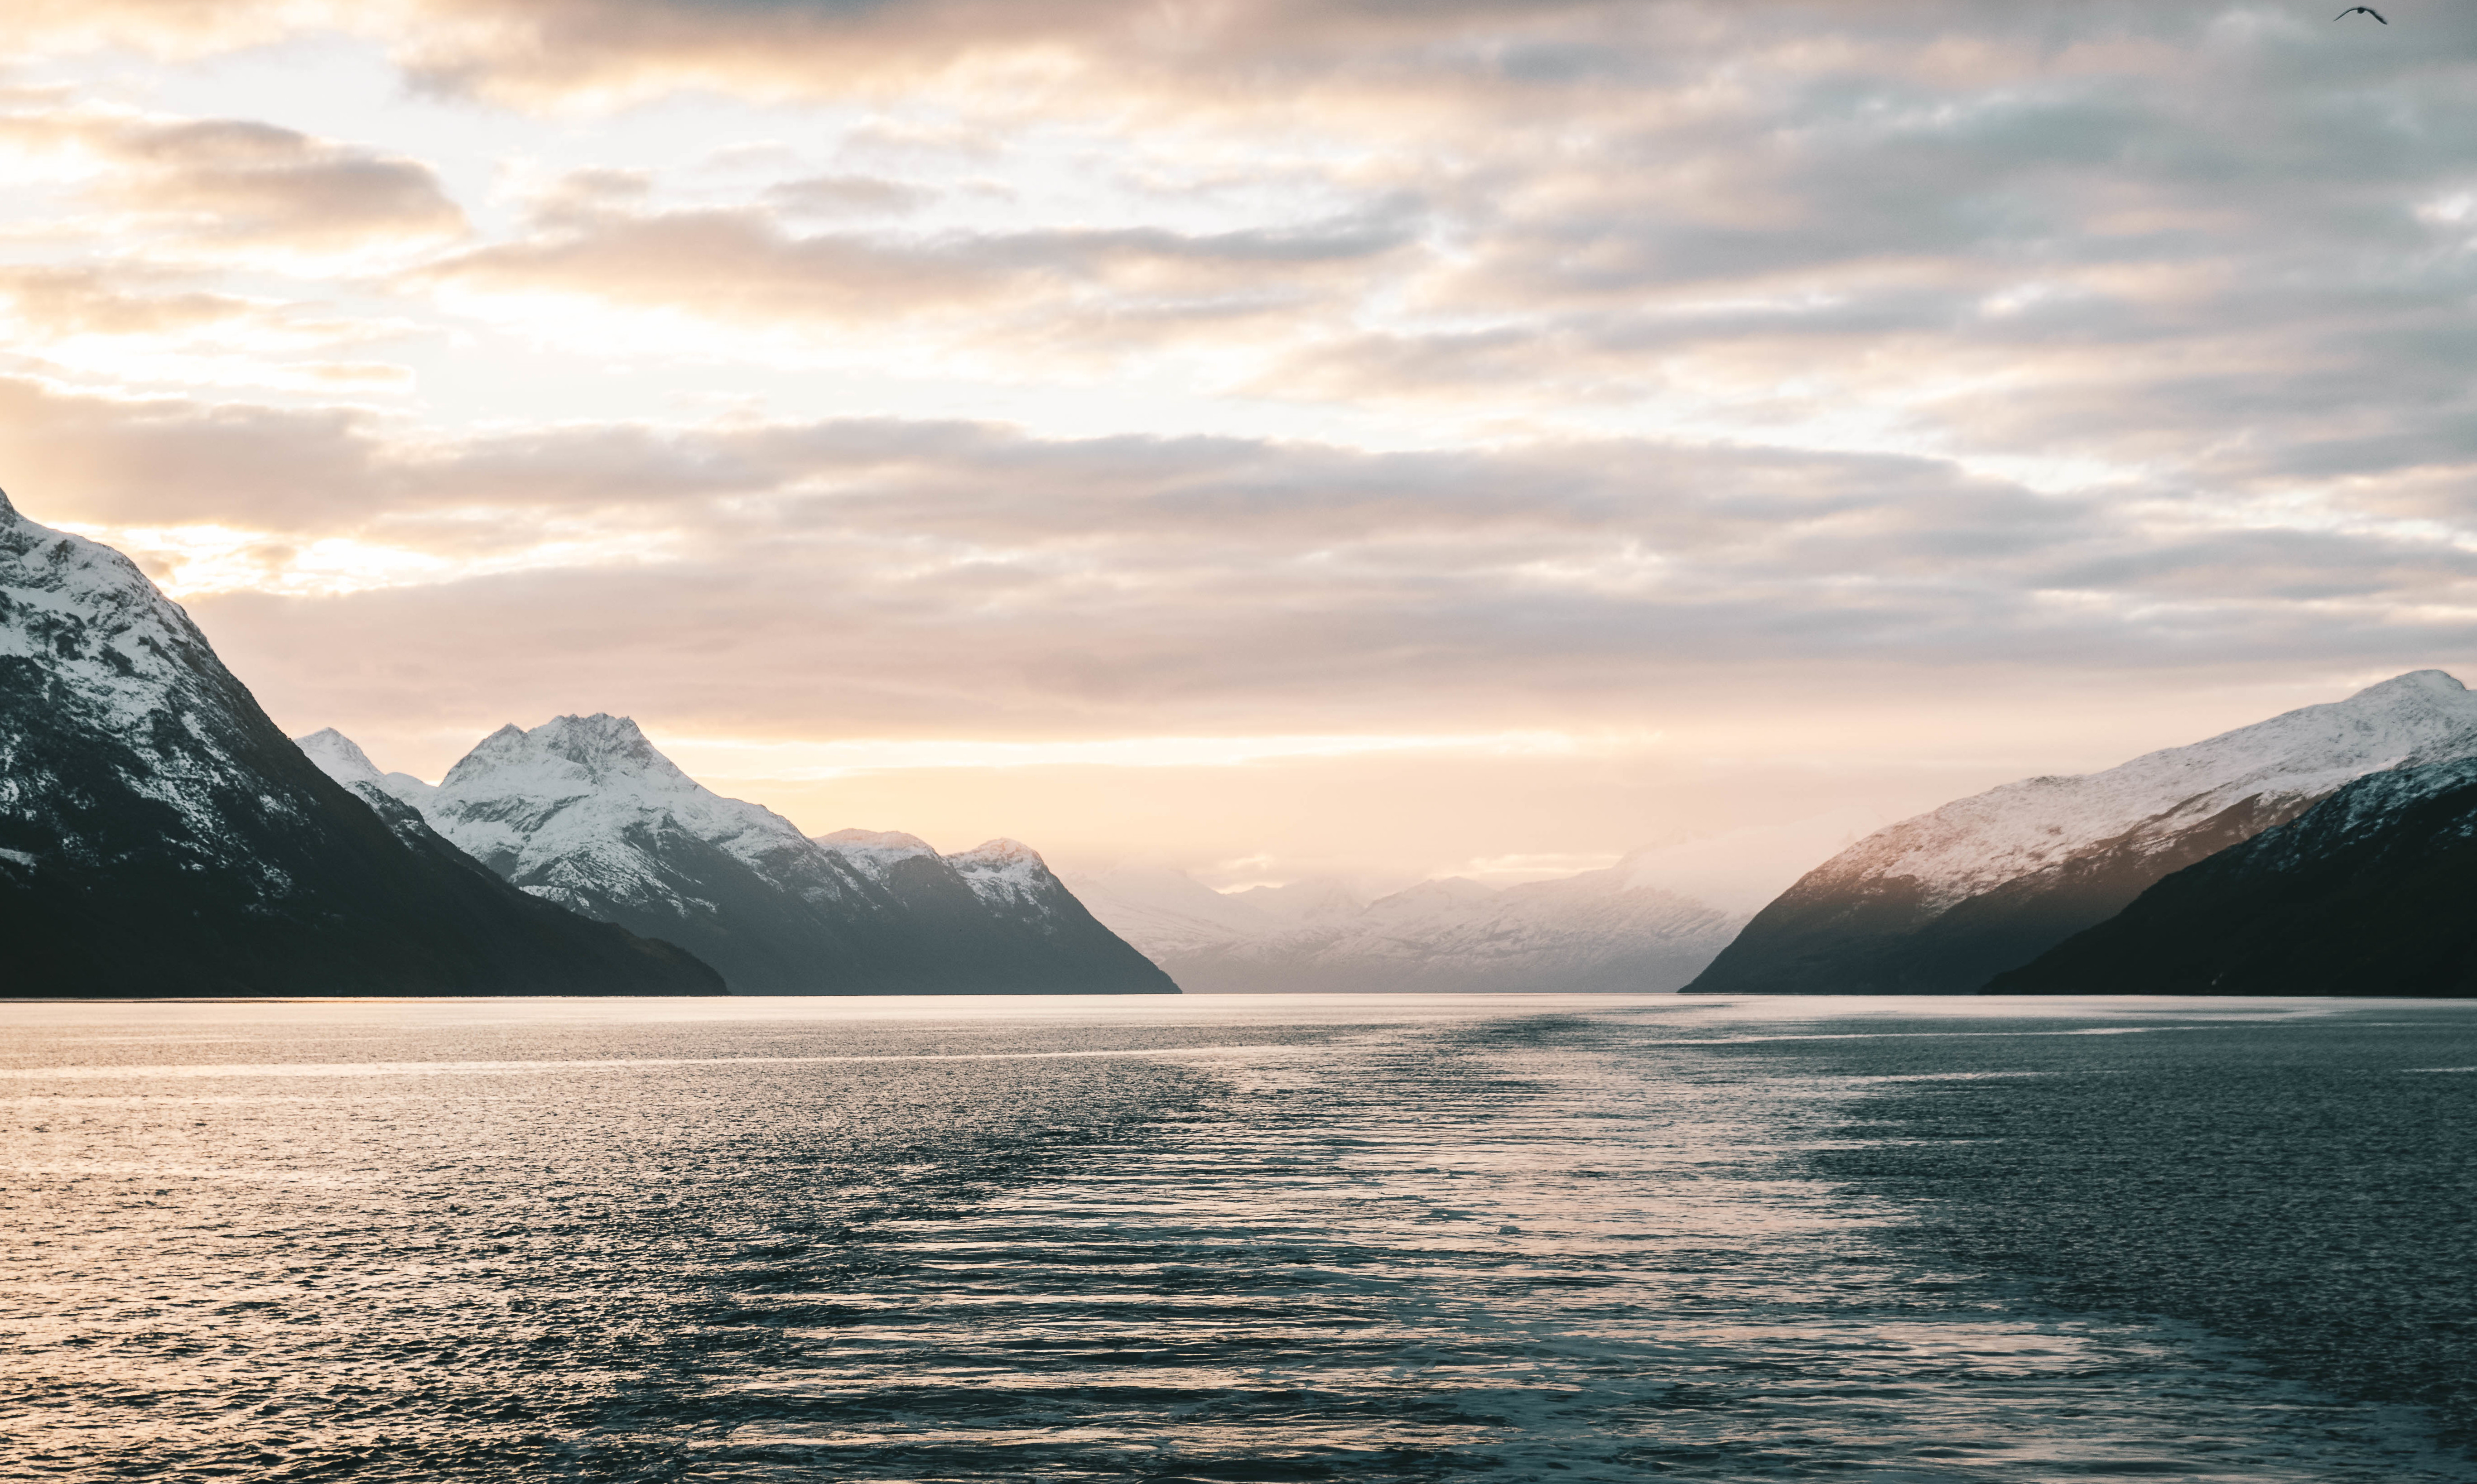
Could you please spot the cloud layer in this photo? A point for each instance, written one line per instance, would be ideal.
(1108, 370)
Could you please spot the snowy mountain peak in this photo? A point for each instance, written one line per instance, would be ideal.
(1005, 872)
(91, 617)
(521, 797)
(338, 757)
(92, 650)
(341, 758)
(876, 851)
(997, 855)
(589, 752)
(2432, 682)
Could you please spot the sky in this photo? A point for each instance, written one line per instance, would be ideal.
(1272, 439)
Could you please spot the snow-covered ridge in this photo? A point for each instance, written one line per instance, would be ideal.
(92, 618)
(534, 796)
(1005, 873)
(121, 660)
(1000, 872)
(1973, 844)
(586, 813)
(877, 852)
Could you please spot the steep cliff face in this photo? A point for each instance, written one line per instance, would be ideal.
(158, 836)
(586, 813)
(2367, 893)
(1942, 902)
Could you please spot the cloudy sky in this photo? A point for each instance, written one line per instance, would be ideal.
(1394, 436)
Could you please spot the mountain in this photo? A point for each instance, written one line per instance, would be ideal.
(2367, 893)
(1599, 931)
(584, 811)
(159, 837)
(1941, 903)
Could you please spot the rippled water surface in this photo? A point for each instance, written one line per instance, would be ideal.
(1234, 1238)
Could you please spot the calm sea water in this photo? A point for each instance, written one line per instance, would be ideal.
(1238, 1239)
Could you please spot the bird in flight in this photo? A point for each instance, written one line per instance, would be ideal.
(2356, 9)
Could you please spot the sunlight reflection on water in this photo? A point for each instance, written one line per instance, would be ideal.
(1217, 1237)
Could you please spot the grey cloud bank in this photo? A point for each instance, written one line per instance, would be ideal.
(1114, 370)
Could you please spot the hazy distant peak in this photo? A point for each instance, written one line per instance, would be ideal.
(878, 840)
(338, 757)
(1440, 895)
(1308, 900)
(997, 853)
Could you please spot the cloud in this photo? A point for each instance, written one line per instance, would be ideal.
(240, 185)
(862, 575)
(1086, 290)
(1619, 347)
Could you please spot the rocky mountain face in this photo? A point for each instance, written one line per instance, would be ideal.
(158, 836)
(2367, 893)
(1599, 931)
(584, 811)
(1942, 902)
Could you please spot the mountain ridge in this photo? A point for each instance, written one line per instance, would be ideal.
(1942, 902)
(585, 811)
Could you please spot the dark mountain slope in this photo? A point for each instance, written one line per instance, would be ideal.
(2370, 892)
(158, 836)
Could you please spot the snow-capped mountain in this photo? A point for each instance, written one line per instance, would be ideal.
(2367, 893)
(341, 759)
(586, 813)
(1943, 901)
(160, 837)
(1598, 930)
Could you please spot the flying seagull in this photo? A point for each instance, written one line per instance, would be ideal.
(2365, 8)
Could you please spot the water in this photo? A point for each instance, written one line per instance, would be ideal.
(1234, 1239)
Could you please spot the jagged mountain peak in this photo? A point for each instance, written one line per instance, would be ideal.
(583, 752)
(524, 796)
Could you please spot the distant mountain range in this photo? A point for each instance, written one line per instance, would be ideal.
(1598, 930)
(1947, 901)
(158, 836)
(584, 812)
